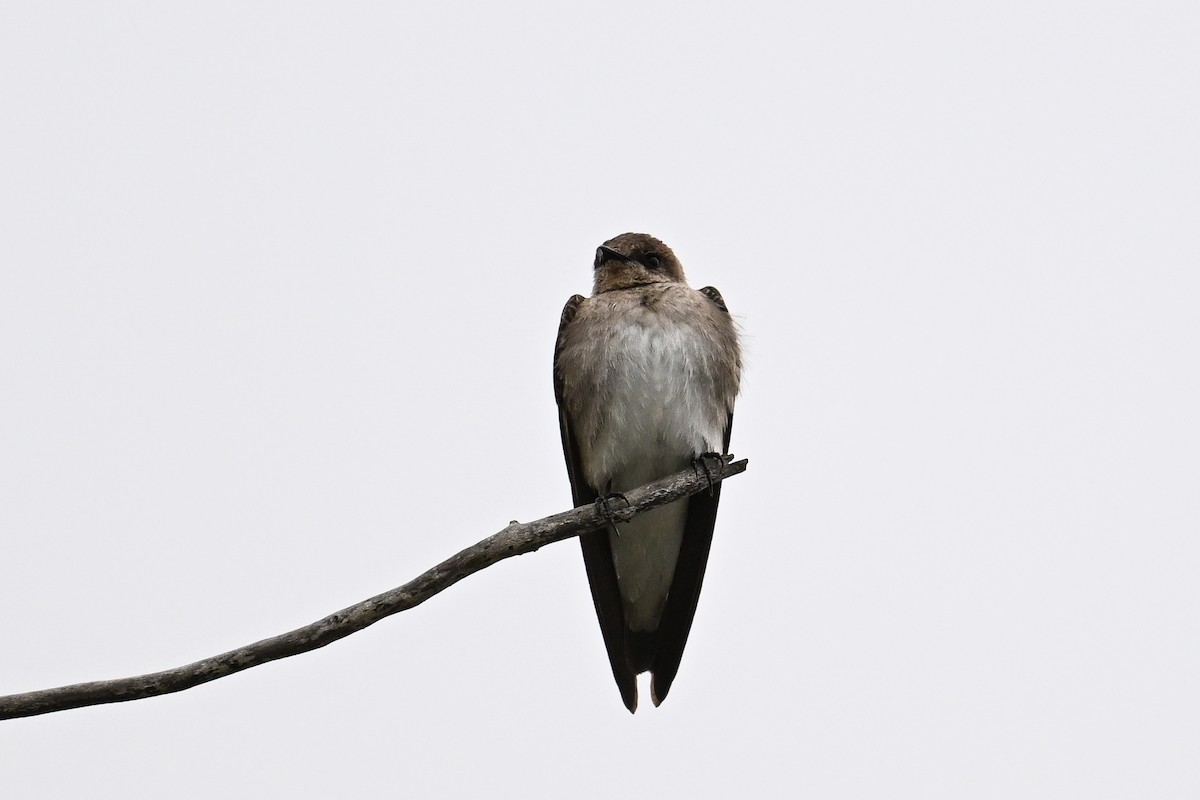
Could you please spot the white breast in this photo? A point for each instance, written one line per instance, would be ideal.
(660, 410)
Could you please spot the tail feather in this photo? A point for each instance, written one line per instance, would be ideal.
(672, 633)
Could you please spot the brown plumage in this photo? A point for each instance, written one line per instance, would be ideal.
(645, 374)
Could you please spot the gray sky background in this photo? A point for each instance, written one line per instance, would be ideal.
(279, 285)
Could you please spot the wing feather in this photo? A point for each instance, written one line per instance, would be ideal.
(597, 552)
(684, 596)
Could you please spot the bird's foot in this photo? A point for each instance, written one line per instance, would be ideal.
(703, 462)
(604, 505)
(604, 508)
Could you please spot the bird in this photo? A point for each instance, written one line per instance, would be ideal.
(646, 371)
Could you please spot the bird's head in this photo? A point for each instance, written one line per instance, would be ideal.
(634, 259)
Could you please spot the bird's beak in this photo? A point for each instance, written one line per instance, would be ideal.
(606, 254)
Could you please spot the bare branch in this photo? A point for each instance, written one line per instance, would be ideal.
(516, 539)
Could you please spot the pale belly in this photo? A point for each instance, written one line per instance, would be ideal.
(661, 411)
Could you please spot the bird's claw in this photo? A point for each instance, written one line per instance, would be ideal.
(702, 463)
(604, 505)
(604, 509)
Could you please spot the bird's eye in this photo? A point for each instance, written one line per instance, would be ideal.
(653, 262)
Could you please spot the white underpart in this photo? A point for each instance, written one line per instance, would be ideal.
(662, 413)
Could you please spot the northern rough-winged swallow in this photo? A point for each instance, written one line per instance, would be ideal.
(645, 374)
